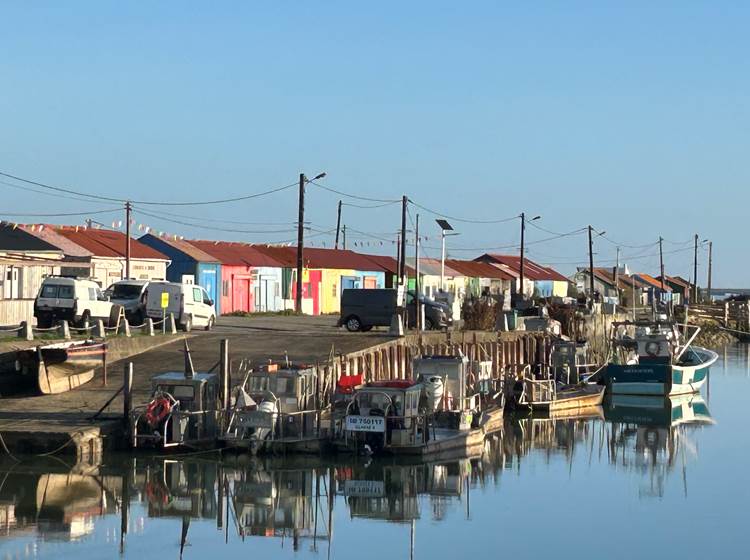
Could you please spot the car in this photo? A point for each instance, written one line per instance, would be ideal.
(363, 309)
(188, 303)
(76, 300)
(131, 295)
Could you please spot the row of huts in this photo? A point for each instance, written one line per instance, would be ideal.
(620, 286)
(242, 277)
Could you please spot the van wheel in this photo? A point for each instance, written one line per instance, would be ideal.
(188, 324)
(353, 324)
(367, 328)
(428, 324)
(44, 321)
(86, 317)
(210, 324)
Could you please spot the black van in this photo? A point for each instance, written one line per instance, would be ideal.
(363, 309)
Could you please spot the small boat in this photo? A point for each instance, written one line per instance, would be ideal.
(184, 412)
(553, 396)
(648, 358)
(445, 411)
(56, 368)
(278, 409)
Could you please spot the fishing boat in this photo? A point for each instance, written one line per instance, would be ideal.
(443, 412)
(279, 410)
(649, 358)
(184, 412)
(56, 368)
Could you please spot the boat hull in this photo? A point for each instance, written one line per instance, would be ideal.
(659, 379)
(58, 368)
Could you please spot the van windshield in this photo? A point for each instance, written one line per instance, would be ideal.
(125, 291)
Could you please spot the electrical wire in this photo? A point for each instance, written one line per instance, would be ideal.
(365, 206)
(46, 193)
(59, 215)
(354, 196)
(464, 220)
(145, 202)
(213, 228)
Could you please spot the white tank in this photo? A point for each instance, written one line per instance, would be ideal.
(433, 388)
(270, 408)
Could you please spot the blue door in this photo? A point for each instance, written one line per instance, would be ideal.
(207, 277)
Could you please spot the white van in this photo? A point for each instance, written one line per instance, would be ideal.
(71, 299)
(189, 304)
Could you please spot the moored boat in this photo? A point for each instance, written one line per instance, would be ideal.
(56, 368)
(648, 358)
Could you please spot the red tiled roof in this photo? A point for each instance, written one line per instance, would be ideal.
(316, 257)
(184, 246)
(677, 280)
(236, 254)
(478, 269)
(107, 243)
(531, 270)
(653, 281)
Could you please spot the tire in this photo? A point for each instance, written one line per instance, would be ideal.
(187, 326)
(367, 328)
(353, 324)
(114, 313)
(44, 322)
(428, 324)
(210, 325)
(86, 316)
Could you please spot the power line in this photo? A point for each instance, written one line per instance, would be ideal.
(365, 206)
(354, 196)
(464, 220)
(146, 202)
(46, 193)
(59, 215)
(213, 228)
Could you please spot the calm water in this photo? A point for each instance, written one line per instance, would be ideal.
(648, 480)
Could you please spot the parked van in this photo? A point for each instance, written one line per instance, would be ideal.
(74, 300)
(363, 309)
(131, 294)
(189, 304)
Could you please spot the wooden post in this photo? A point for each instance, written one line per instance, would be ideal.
(224, 373)
(726, 314)
(104, 366)
(127, 395)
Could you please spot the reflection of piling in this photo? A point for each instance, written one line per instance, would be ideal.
(224, 374)
(127, 395)
(124, 509)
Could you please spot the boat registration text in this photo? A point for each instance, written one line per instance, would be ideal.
(365, 423)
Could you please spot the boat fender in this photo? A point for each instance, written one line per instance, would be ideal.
(157, 410)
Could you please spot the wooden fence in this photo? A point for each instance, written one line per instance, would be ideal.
(508, 351)
(729, 314)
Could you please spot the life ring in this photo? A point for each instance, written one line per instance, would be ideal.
(653, 348)
(157, 410)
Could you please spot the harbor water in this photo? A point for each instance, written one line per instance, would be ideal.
(639, 478)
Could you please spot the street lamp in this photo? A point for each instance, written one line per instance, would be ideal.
(444, 228)
(523, 230)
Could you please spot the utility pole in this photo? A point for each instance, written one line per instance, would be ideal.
(398, 257)
(591, 264)
(417, 286)
(710, 266)
(128, 209)
(343, 236)
(523, 230)
(402, 266)
(661, 263)
(300, 243)
(338, 226)
(695, 271)
(616, 276)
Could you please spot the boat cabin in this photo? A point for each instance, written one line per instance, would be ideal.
(448, 375)
(184, 410)
(293, 389)
(390, 408)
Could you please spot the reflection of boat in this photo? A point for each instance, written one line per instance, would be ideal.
(445, 412)
(57, 368)
(649, 433)
(648, 358)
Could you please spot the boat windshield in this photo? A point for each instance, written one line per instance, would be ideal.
(275, 384)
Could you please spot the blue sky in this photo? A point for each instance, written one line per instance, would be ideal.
(631, 117)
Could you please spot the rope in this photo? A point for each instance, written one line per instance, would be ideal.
(5, 447)
(45, 330)
(89, 328)
(10, 329)
(47, 454)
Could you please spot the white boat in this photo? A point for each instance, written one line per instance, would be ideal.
(650, 359)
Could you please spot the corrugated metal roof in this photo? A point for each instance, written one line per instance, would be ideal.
(478, 269)
(678, 280)
(17, 238)
(185, 247)
(431, 267)
(531, 270)
(316, 257)
(108, 243)
(235, 254)
(389, 264)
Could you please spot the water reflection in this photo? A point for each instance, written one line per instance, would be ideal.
(294, 500)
